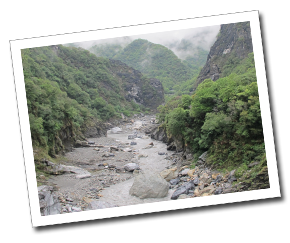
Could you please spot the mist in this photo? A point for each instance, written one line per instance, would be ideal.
(203, 37)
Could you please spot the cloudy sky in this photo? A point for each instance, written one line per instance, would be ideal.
(203, 37)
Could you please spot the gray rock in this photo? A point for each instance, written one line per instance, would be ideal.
(232, 179)
(119, 169)
(96, 204)
(174, 181)
(76, 209)
(133, 143)
(114, 148)
(184, 189)
(184, 172)
(48, 201)
(196, 181)
(253, 164)
(203, 157)
(218, 191)
(68, 208)
(116, 130)
(83, 176)
(131, 167)
(127, 150)
(149, 186)
(132, 136)
(161, 153)
(183, 196)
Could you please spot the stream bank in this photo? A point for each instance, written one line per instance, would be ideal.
(97, 173)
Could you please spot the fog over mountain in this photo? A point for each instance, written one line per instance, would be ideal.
(179, 41)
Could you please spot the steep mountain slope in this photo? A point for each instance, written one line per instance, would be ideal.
(70, 91)
(106, 50)
(156, 61)
(233, 44)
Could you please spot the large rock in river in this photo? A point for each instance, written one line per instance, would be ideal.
(149, 186)
(48, 201)
(131, 167)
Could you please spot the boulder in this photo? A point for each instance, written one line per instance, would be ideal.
(184, 189)
(131, 167)
(210, 189)
(196, 181)
(149, 186)
(116, 130)
(169, 174)
(190, 173)
(174, 181)
(132, 136)
(184, 172)
(114, 148)
(133, 143)
(204, 177)
(48, 201)
(202, 158)
(219, 190)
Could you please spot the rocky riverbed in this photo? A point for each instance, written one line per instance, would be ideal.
(127, 167)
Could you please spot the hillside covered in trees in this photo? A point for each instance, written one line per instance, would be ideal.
(223, 115)
(157, 61)
(70, 90)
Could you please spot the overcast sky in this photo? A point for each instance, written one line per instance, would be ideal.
(203, 37)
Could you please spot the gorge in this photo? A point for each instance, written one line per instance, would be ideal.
(106, 135)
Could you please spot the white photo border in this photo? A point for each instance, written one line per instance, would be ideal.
(17, 45)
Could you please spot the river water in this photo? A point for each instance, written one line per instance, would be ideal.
(119, 194)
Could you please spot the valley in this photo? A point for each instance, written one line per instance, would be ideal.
(126, 124)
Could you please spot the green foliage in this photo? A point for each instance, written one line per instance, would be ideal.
(222, 117)
(156, 61)
(66, 88)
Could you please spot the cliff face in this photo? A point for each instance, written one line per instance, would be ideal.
(137, 87)
(233, 44)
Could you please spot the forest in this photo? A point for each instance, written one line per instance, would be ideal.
(221, 117)
(69, 89)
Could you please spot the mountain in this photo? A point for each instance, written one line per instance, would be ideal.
(156, 61)
(222, 119)
(106, 50)
(72, 92)
(233, 44)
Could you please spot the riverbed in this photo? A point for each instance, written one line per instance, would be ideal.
(109, 182)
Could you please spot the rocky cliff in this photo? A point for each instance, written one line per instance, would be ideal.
(233, 44)
(144, 91)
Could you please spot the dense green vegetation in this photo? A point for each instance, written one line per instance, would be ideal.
(177, 75)
(68, 89)
(106, 50)
(156, 61)
(221, 117)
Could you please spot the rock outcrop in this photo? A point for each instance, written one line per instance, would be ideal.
(144, 91)
(149, 186)
(234, 43)
(48, 201)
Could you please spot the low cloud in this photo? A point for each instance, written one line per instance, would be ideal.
(203, 37)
